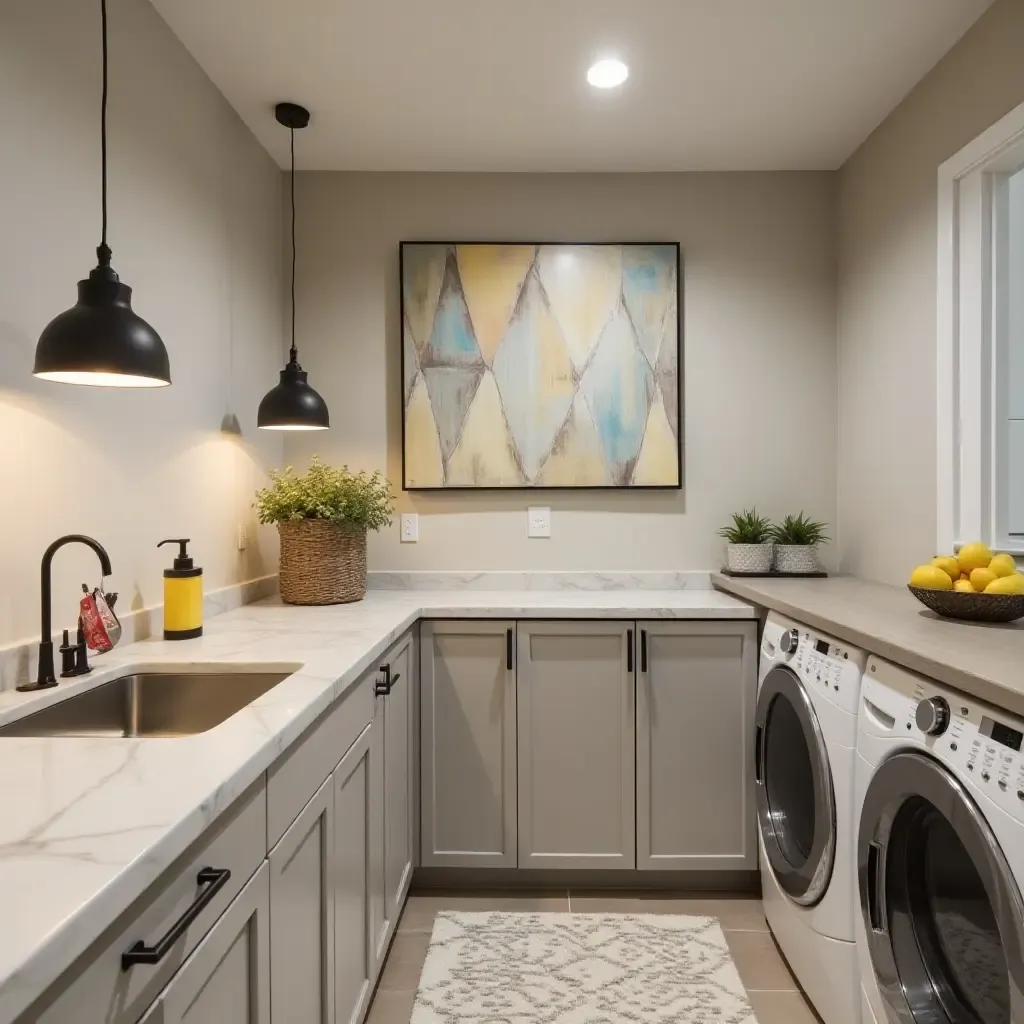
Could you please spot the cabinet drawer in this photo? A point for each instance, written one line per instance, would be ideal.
(97, 988)
(293, 780)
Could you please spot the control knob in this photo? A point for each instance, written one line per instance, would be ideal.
(790, 641)
(932, 716)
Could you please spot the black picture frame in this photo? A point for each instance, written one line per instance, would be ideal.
(542, 488)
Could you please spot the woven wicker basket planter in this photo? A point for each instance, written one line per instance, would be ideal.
(321, 563)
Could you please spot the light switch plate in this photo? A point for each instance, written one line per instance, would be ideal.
(410, 528)
(243, 537)
(538, 522)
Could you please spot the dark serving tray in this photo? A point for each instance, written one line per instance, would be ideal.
(775, 574)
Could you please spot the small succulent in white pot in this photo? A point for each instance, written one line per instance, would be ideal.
(796, 543)
(749, 546)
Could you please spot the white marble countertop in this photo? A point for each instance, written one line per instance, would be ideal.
(87, 825)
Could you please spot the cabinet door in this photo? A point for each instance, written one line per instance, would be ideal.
(695, 711)
(468, 741)
(302, 915)
(226, 980)
(576, 737)
(355, 961)
(398, 778)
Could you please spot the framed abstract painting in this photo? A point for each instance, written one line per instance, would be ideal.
(540, 366)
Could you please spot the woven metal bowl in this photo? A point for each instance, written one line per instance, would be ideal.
(971, 607)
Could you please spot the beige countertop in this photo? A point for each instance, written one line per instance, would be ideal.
(980, 659)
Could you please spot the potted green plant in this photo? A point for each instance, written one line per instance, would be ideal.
(323, 516)
(796, 543)
(749, 546)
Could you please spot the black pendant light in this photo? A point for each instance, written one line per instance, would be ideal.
(293, 404)
(100, 341)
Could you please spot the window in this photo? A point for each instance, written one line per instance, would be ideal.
(981, 341)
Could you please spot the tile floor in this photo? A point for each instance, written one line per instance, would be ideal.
(771, 987)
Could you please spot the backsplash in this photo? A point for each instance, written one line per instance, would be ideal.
(502, 580)
(18, 661)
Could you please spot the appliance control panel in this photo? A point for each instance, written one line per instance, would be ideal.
(984, 744)
(822, 662)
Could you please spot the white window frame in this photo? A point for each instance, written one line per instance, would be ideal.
(972, 336)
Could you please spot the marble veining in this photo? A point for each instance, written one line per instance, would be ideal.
(539, 581)
(88, 824)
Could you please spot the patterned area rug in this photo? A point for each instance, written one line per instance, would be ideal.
(499, 968)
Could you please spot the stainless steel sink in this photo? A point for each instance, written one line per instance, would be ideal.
(150, 704)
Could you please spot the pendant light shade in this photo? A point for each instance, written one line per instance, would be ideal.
(101, 341)
(293, 404)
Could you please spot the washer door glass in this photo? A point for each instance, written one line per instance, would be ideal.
(789, 780)
(943, 913)
(796, 806)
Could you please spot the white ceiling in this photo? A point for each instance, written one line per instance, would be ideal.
(500, 85)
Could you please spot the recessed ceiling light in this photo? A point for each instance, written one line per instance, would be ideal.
(607, 74)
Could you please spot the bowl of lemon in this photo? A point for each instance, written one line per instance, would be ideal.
(974, 584)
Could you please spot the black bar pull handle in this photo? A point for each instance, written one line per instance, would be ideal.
(759, 755)
(629, 650)
(508, 649)
(382, 687)
(876, 913)
(210, 882)
(643, 650)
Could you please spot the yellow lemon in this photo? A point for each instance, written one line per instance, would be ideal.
(1003, 565)
(981, 578)
(948, 564)
(930, 577)
(974, 556)
(963, 587)
(1013, 584)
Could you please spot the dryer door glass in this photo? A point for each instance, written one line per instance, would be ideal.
(795, 801)
(943, 913)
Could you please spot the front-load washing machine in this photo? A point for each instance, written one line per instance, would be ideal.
(940, 854)
(805, 737)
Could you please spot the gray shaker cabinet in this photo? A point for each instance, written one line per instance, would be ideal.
(468, 744)
(576, 745)
(226, 980)
(696, 690)
(302, 915)
(355, 959)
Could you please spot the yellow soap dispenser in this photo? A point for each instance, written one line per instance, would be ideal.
(183, 595)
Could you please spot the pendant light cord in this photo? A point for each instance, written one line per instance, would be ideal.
(103, 250)
(294, 353)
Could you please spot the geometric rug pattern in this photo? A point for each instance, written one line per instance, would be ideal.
(540, 366)
(577, 969)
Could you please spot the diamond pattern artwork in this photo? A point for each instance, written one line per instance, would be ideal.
(540, 366)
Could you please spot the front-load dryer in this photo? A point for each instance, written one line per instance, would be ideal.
(940, 854)
(805, 737)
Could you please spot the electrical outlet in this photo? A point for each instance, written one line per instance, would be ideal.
(410, 528)
(538, 522)
(243, 537)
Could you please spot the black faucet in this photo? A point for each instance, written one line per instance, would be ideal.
(45, 677)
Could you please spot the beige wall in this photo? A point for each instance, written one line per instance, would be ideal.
(759, 352)
(196, 231)
(887, 296)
